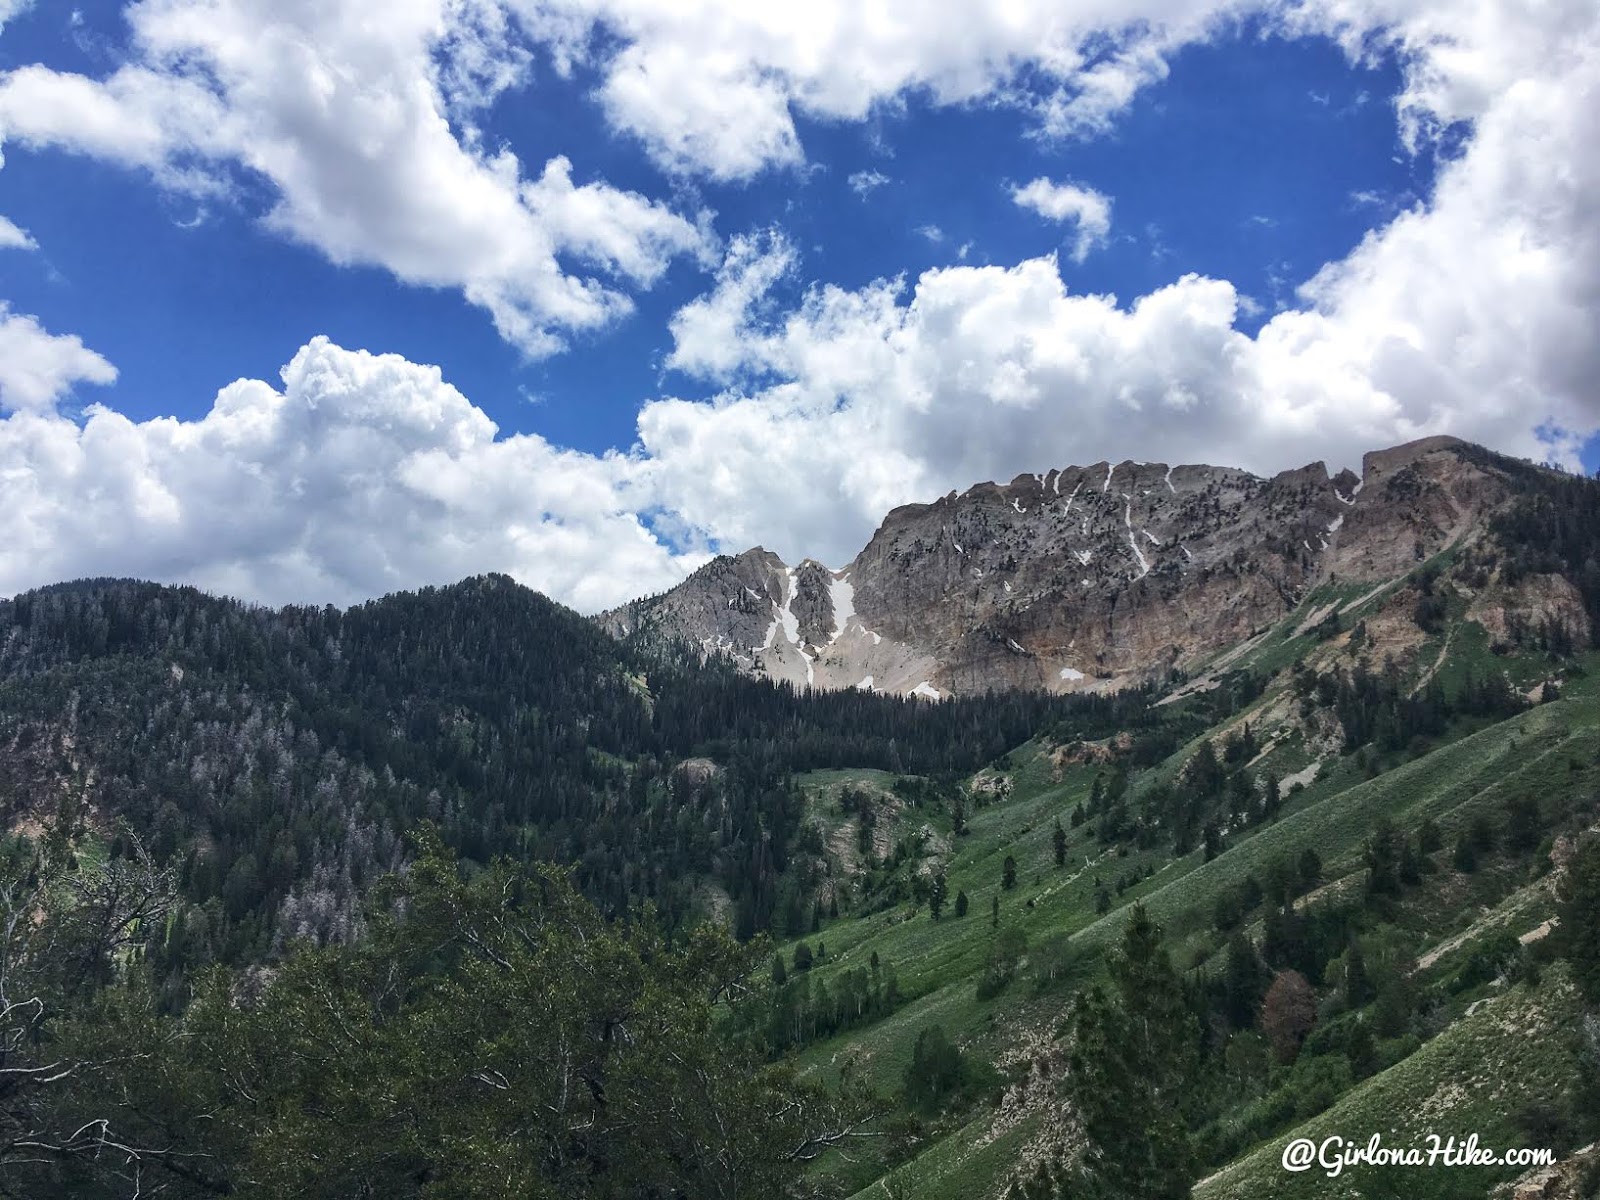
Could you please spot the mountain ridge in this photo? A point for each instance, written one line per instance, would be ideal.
(1077, 578)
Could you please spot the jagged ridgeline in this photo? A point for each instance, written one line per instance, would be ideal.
(1102, 576)
(278, 758)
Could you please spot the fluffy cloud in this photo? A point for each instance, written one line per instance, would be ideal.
(1084, 207)
(38, 368)
(350, 122)
(716, 336)
(361, 474)
(13, 238)
(714, 87)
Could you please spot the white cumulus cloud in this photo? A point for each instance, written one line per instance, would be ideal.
(349, 120)
(38, 368)
(714, 86)
(359, 475)
(1087, 209)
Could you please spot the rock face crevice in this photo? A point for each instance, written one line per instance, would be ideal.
(1083, 577)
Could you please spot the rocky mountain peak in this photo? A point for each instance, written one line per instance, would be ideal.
(1077, 577)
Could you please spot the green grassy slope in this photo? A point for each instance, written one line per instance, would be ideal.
(1549, 750)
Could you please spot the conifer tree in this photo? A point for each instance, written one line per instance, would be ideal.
(1358, 989)
(1132, 1073)
(1579, 916)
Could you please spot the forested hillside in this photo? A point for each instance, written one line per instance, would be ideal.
(277, 759)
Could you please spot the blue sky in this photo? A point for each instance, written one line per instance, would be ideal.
(900, 322)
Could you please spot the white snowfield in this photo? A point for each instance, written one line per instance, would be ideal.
(791, 623)
(1071, 674)
(842, 597)
(926, 690)
(1133, 543)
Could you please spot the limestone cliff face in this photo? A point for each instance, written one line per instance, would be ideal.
(1085, 577)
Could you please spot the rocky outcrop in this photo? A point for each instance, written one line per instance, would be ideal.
(724, 607)
(1413, 501)
(1084, 577)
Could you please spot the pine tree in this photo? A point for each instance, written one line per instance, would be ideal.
(1578, 934)
(936, 895)
(961, 904)
(994, 912)
(1059, 840)
(1310, 866)
(1245, 980)
(1097, 796)
(1358, 989)
(1008, 873)
(1132, 1074)
(1522, 824)
(935, 1071)
(1362, 1051)
(1272, 798)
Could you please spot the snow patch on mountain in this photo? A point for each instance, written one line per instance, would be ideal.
(791, 623)
(1133, 542)
(843, 598)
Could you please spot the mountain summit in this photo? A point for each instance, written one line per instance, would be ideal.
(1080, 578)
